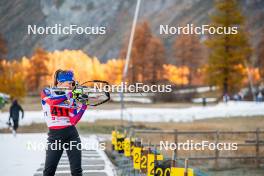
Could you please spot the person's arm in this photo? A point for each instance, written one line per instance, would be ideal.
(75, 119)
(22, 111)
(51, 99)
(10, 114)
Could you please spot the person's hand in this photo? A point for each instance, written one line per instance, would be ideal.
(69, 95)
(76, 93)
(83, 99)
(79, 96)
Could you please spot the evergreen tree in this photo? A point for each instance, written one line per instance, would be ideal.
(228, 52)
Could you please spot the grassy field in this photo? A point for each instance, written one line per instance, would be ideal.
(232, 123)
(106, 126)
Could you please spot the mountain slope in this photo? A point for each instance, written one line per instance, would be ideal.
(116, 15)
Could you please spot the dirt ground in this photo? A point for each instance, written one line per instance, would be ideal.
(238, 172)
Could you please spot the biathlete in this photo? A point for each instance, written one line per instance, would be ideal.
(62, 113)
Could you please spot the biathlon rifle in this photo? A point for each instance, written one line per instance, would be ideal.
(92, 96)
(88, 93)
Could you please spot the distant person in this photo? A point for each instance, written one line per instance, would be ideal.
(241, 96)
(204, 101)
(226, 98)
(237, 97)
(14, 115)
(259, 97)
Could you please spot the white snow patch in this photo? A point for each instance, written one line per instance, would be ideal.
(132, 99)
(200, 100)
(231, 109)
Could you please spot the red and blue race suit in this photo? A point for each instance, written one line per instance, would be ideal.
(60, 109)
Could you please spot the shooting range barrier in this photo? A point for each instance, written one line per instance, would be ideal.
(138, 158)
(146, 159)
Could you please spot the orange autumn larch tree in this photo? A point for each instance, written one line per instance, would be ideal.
(3, 51)
(138, 60)
(260, 55)
(188, 52)
(113, 69)
(176, 75)
(12, 80)
(37, 70)
(154, 58)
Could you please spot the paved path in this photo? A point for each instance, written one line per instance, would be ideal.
(94, 163)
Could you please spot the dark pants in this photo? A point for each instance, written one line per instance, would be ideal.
(15, 124)
(63, 136)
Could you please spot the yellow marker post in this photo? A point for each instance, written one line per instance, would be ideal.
(117, 136)
(120, 143)
(114, 140)
(132, 145)
(159, 157)
(150, 165)
(144, 161)
(180, 171)
(127, 147)
(137, 157)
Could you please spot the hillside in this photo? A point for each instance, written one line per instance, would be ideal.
(116, 15)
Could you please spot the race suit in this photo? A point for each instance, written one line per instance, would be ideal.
(62, 113)
(60, 110)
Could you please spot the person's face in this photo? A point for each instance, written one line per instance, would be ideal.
(66, 84)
